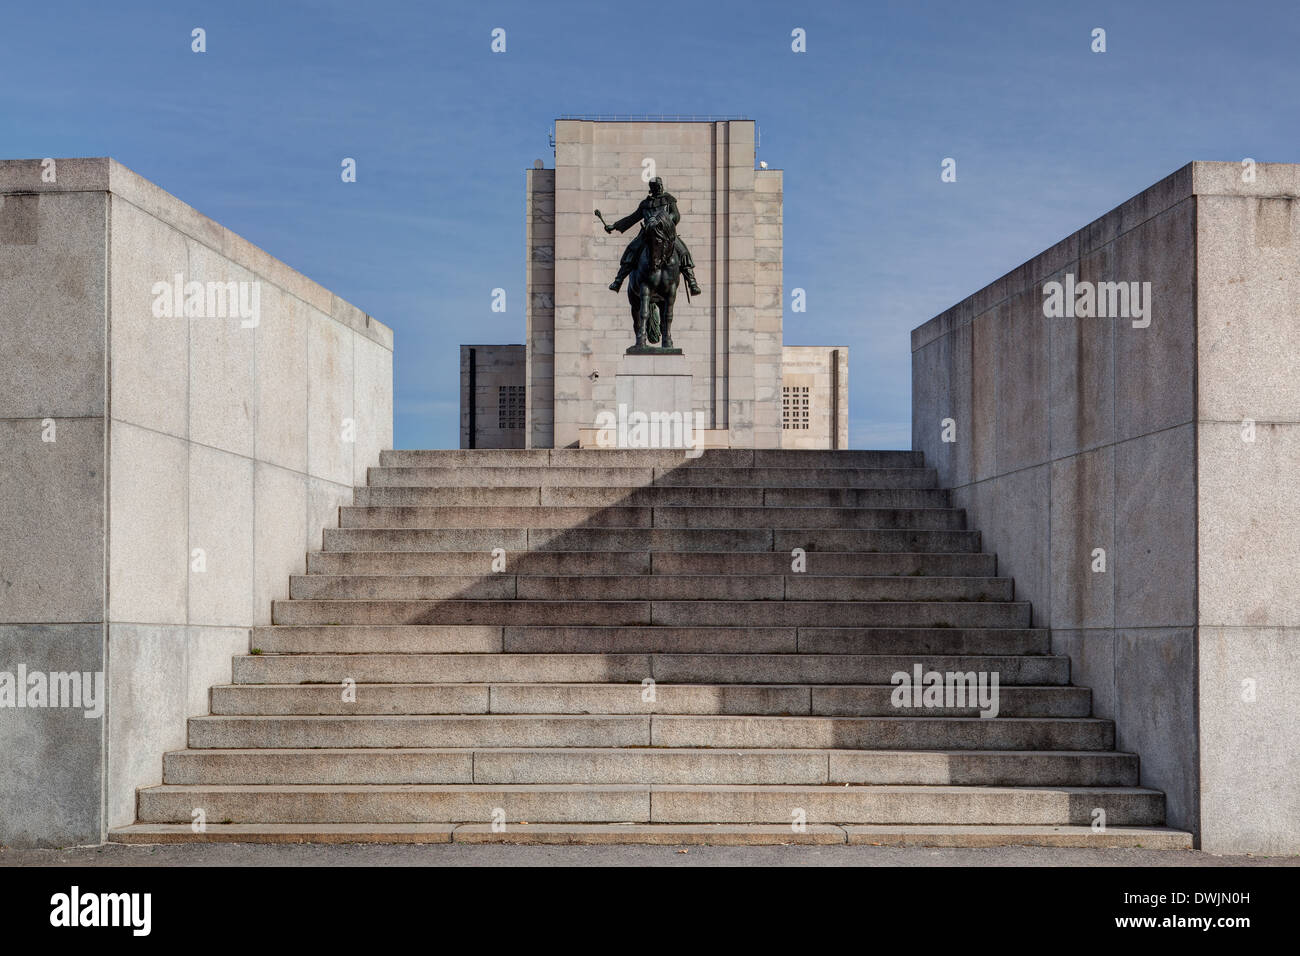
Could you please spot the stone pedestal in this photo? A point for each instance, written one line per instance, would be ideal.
(651, 384)
(652, 407)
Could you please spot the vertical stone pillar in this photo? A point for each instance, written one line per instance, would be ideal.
(539, 292)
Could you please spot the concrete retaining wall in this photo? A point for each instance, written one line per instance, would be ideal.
(194, 461)
(1074, 436)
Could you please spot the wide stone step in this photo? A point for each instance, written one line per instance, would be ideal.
(279, 833)
(1123, 806)
(661, 730)
(668, 803)
(485, 639)
(655, 765)
(658, 517)
(374, 638)
(672, 613)
(481, 562)
(651, 562)
(488, 538)
(543, 476)
(632, 669)
(920, 640)
(552, 698)
(884, 733)
(649, 458)
(660, 834)
(810, 834)
(857, 564)
(718, 496)
(617, 587)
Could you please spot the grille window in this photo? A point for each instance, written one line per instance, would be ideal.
(510, 406)
(795, 404)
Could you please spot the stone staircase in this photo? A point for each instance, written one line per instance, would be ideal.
(648, 663)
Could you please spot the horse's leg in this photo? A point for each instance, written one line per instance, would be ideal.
(634, 302)
(647, 332)
(670, 299)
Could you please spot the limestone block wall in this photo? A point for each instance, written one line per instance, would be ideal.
(580, 336)
(769, 306)
(539, 290)
(160, 476)
(492, 396)
(1098, 459)
(824, 372)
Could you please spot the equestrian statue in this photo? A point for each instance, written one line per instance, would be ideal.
(656, 260)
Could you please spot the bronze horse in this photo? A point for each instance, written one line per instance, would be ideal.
(652, 286)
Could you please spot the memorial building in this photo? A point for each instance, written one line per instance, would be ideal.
(728, 372)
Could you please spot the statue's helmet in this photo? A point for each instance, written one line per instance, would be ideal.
(656, 186)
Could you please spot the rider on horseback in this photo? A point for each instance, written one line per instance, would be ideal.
(658, 199)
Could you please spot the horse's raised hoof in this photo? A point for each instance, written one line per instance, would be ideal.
(614, 286)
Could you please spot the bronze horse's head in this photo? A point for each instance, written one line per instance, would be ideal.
(661, 237)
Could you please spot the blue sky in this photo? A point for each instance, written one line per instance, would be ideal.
(1047, 136)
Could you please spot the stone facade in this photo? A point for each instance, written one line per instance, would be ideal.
(159, 476)
(493, 381)
(1170, 450)
(577, 329)
(814, 397)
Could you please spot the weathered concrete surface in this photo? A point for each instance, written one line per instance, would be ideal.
(1248, 546)
(52, 786)
(167, 517)
(52, 516)
(1172, 448)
